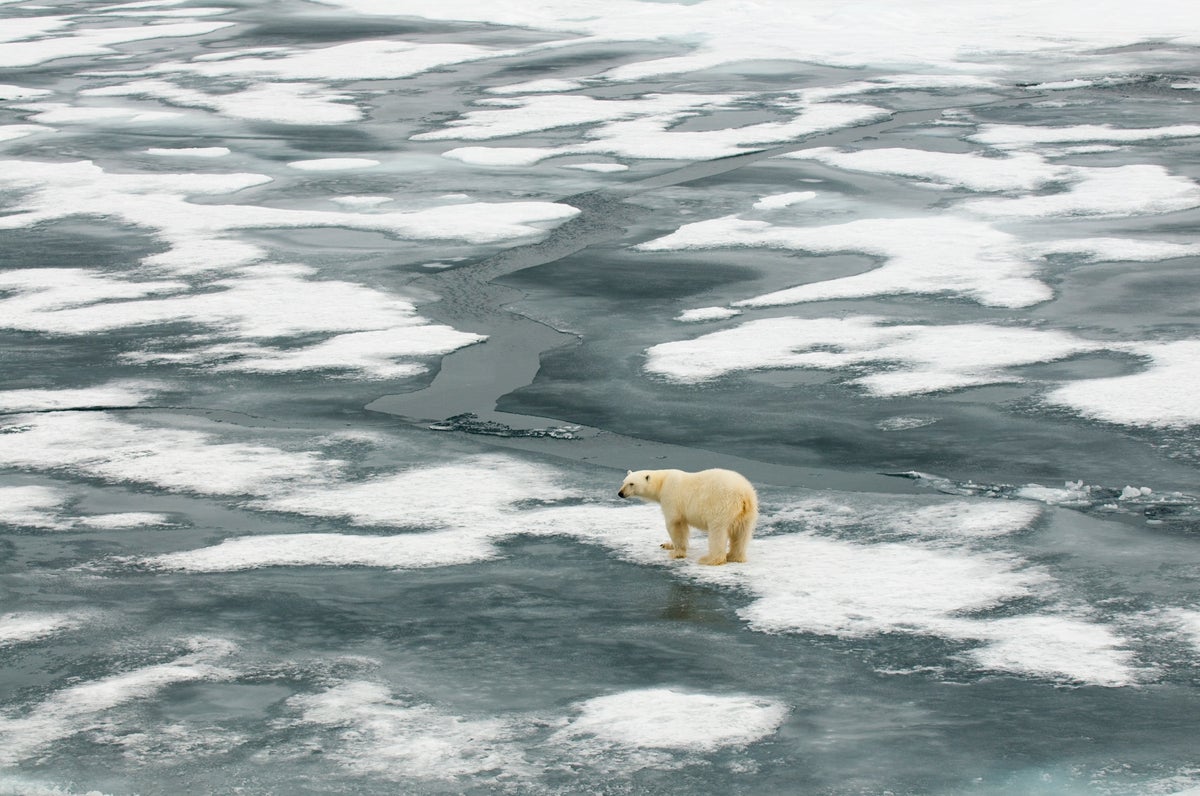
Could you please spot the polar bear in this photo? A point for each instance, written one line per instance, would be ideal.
(721, 502)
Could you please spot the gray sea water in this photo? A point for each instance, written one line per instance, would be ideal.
(328, 331)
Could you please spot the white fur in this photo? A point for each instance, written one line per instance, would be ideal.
(721, 502)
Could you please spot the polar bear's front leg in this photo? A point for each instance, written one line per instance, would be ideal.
(678, 529)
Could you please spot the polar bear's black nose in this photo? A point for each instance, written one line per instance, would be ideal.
(621, 494)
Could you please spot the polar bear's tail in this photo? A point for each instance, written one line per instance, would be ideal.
(742, 528)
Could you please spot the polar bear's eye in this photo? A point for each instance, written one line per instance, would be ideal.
(647, 478)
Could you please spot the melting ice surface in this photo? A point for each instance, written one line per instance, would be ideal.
(327, 330)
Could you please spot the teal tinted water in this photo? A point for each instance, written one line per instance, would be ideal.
(275, 519)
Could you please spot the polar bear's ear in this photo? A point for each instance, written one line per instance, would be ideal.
(629, 472)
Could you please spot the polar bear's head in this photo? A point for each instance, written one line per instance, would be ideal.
(637, 484)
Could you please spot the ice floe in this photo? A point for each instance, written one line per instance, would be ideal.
(666, 718)
(947, 254)
(371, 329)
(79, 708)
(27, 627)
(99, 446)
(113, 394)
(388, 736)
(701, 314)
(973, 38)
(902, 359)
(781, 200)
(1162, 396)
(640, 128)
(1104, 192)
(1007, 136)
(1023, 171)
(199, 235)
(332, 164)
(32, 41)
(190, 152)
(33, 507)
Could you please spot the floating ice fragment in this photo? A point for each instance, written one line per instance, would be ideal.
(114, 394)
(603, 168)
(946, 254)
(901, 359)
(78, 708)
(27, 627)
(1015, 136)
(191, 152)
(780, 200)
(500, 156)
(332, 164)
(33, 507)
(387, 736)
(665, 718)
(707, 314)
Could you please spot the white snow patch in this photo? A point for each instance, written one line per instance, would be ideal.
(406, 551)
(332, 164)
(99, 446)
(700, 314)
(1162, 396)
(603, 168)
(966, 39)
(947, 254)
(33, 507)
(1055, 647)
(79, 708)
(426, 496)
(11, 132)
(28, 44)
(1010, 136)
(28, 627)
(1104, 192)
(284, 103)
(370, 59)
(665, 718)
(190, 152)
(8, 93)
(396, 738)
(780, 200)
(902, 359)
(544, 86)
(499, 156)
(1023, 171)
(113, 394)
(199, 234)
(365, 202)
(126, 519)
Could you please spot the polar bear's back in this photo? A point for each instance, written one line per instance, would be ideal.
(708, 496)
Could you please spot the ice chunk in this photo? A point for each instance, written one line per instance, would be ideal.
(395, 738)
(947, 254)
(1162, 396)
(190, 152)
(666, 718)
(1016, 172)
(33, 507)
(79, 708)
(903, 359)
(1011, 135)
(707, 314)
(780, 200)
(27, 627)
(332, 164)
(1117, 191)
(117, 393)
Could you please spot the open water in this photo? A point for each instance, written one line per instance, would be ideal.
(329, 329)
